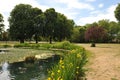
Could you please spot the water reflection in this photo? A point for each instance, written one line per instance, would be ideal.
(5, 74)
(26, 71)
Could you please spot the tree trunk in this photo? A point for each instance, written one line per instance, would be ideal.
(36, 38)
(21, 40)
(50, 40)
(93, 44)
(36, 41)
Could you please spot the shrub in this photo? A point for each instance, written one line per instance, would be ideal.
(30, 59)
(46, 45)
(71, 67)
(35, 46)
(6, 46)
(65, 45)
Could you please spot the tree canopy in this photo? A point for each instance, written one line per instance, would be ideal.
(51, 17)
(26, 22)
(21, 21)
(117, 12)
(1, 23)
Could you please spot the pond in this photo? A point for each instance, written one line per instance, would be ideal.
(27, 71)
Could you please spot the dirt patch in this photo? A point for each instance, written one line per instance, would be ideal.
(105, 62)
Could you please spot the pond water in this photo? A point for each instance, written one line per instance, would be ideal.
(28, 71)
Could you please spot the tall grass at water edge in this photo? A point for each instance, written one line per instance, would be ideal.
(72, 66)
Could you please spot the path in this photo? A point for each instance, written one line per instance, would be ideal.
(104, 63)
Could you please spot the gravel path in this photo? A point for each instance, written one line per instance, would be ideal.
(104, 64)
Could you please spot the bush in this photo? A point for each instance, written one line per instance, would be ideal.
(35, 46)
(30, 59)
(65, 45)
(6, 46)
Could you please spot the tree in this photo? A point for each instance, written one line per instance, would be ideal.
(117, 15)
(21, 22)
(104, 23)
(51, 17)
(63, 28)
(1, 24)
(93, 24)
(117, 12)
(39, 26)
(5, 36)
(113, 30)
(36, 17)
(94, 34)
(118, 37)
(82, 34)
(75, 35)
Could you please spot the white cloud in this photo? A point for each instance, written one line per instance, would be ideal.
(95, 12)
(101, 5)
(7, 6)
(90, 0)
(76, 4)
(109, 14)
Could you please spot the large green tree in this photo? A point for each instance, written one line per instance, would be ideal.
(1, 24)
(117, 15)
(75, 34)
(82, 34)
(21, 22)
(114, 28)
(63, 28)
(117, 12)
(104, 23)
(39, 26)
(78, 34)
(51, 16)
(38, 22)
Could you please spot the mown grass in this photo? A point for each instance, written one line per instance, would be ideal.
(103, 48)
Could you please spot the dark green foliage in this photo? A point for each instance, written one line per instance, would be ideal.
(6, 46)
(1, 23)
(1, 26)
(21, 21)
(104, 23)
(75, 35)
(64, 45)
(63, 28)
(117, 12)
(39, 22)
(51, 17)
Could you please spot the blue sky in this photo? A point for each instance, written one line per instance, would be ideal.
(81, 11)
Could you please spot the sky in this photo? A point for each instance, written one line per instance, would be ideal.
(81, 11)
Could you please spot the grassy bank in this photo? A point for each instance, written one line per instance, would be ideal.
(71, 67)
